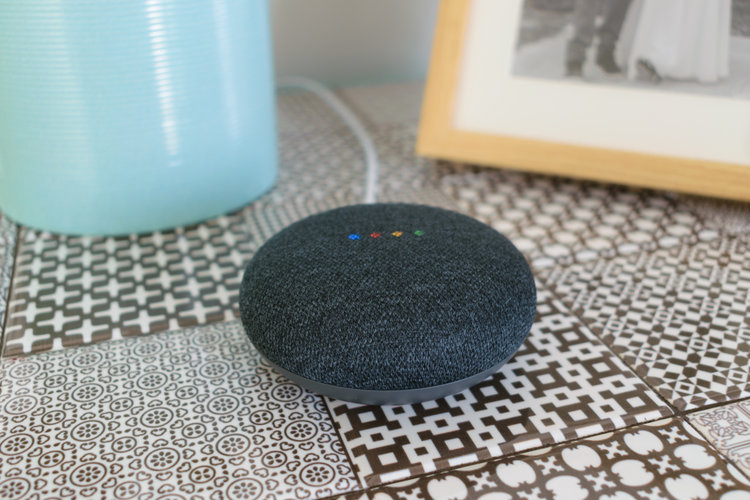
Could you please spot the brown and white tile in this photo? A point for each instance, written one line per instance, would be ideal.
(679, 316)
(195, 412)
(663, 459)
(69, 291)
(562, 384)
(727, 427)
(554, 220)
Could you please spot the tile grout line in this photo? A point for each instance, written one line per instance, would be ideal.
(714, 405)
(355, 470)
(16, 250)
(675, 411)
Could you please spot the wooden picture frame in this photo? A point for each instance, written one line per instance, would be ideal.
(439, 137)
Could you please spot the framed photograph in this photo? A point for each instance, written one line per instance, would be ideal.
(652, 93)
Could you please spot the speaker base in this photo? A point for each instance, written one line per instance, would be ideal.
(399, 397)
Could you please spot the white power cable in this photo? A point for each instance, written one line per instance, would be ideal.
(359, 131)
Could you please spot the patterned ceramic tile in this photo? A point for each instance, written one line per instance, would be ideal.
(194, 412)
(78, 290)
(559, 220)
(664, 459)
(727, 427)
(8, 232)
(680, 317)
(561, 385)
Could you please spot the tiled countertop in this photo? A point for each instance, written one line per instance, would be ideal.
(125, 373)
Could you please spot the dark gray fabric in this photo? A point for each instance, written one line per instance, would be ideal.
(387, 313)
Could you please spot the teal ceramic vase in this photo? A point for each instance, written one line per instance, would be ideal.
(128, 116)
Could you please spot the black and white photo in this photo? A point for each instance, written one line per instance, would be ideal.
(696, 46)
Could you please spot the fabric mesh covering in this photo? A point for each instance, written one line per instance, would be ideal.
(446, 299)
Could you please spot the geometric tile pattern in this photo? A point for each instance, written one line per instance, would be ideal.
(189, 414)
(663, 459)
(562, 384)
(78, 290)
(8, 232)
(680, 317)
(553, 220)
(727, 427)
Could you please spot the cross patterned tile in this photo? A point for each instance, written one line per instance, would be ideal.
(562, 384)
(78, 290)
(680, 316)
(554, 220)
(663, 459)
(8, 232)
(192, 414)
(727, 427)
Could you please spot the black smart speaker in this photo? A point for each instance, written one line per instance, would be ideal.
(387, 303)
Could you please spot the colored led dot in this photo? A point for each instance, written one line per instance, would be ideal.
(397, 234)
(353, 236)
(419, 232)
(375, 235)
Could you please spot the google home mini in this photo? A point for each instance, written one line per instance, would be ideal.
(387, 303)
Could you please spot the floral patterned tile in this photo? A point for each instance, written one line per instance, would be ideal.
(195, 412)
(562, 384)
(727, 427)
(561, 221)
(663, 459)
(679, 316)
